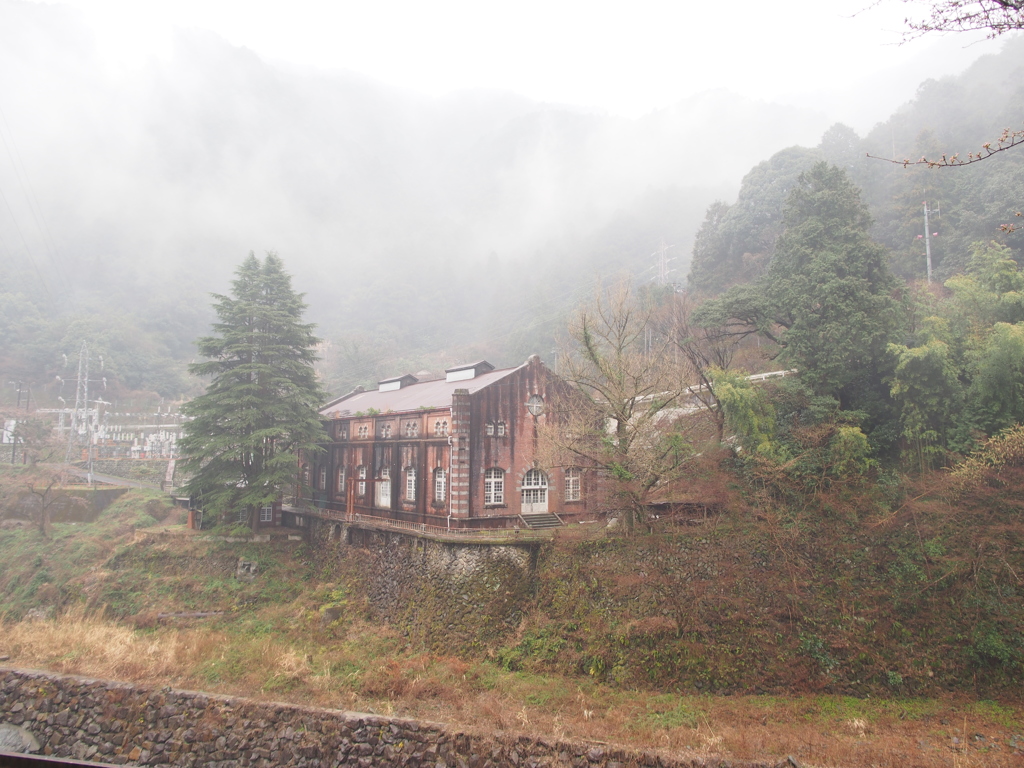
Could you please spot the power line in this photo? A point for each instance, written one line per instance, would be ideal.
(28, 250)
(30, 197)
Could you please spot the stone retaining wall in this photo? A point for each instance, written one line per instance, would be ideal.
(447, 595)
(122, 724)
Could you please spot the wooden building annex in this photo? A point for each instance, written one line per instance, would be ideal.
(461, 451)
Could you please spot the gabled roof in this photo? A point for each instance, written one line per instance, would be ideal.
(412, 397)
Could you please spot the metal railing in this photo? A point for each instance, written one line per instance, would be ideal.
(426, 529)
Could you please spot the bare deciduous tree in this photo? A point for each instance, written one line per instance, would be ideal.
(996, 17)
(704, 349)
(627, 416)
(35, 496)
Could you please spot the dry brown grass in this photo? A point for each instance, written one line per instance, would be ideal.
(77, 644)
(369, 672)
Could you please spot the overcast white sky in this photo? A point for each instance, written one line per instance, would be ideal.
(624, 57)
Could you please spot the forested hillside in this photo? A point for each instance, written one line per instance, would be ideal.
(969, 204)
(424, 231)
(822, 256)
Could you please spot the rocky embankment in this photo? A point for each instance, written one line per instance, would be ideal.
(122, 724)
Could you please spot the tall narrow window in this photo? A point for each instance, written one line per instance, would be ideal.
(341, 479)
(572, 484)
(384, 488)
(410, 483)
(323, 478)
(501, 429)
(494, 486)
(490, 428)
(361, 485)
(440, 485)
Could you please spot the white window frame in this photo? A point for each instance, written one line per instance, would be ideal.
(267, 514)
(501, 429)
(410, 483)
(440, 485)
(494, 486)
(490, 428)
(323, 478)
(361, 485)
(385, 431)
(363, 431)
(341, 479)
(384, 488)
(535, 487)
(573, 484)
(412, 429)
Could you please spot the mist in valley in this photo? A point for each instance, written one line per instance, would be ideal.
(424, 230)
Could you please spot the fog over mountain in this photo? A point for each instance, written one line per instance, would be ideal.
(410, 222)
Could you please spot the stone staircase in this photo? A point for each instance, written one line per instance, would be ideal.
(541, 521)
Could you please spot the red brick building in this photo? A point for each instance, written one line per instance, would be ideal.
(461, 451)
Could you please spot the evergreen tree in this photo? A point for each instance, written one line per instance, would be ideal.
(831, 289)
(241, 447)
(827, 297)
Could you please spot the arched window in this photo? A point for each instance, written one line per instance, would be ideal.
(535, 491)
(572, 484)
(494, 486)
(361, 485)
(440, 485)
(410, 483)
(384, 488)
(441, 428)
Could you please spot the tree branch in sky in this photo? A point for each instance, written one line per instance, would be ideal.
(1007, 140)
(996, 17)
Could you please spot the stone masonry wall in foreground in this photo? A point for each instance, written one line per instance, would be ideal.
(122, 724)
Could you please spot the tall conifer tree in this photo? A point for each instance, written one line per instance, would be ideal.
(827, 299)
(241, 446)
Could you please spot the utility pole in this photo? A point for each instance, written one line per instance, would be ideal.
(927, 241)
(80, 416)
